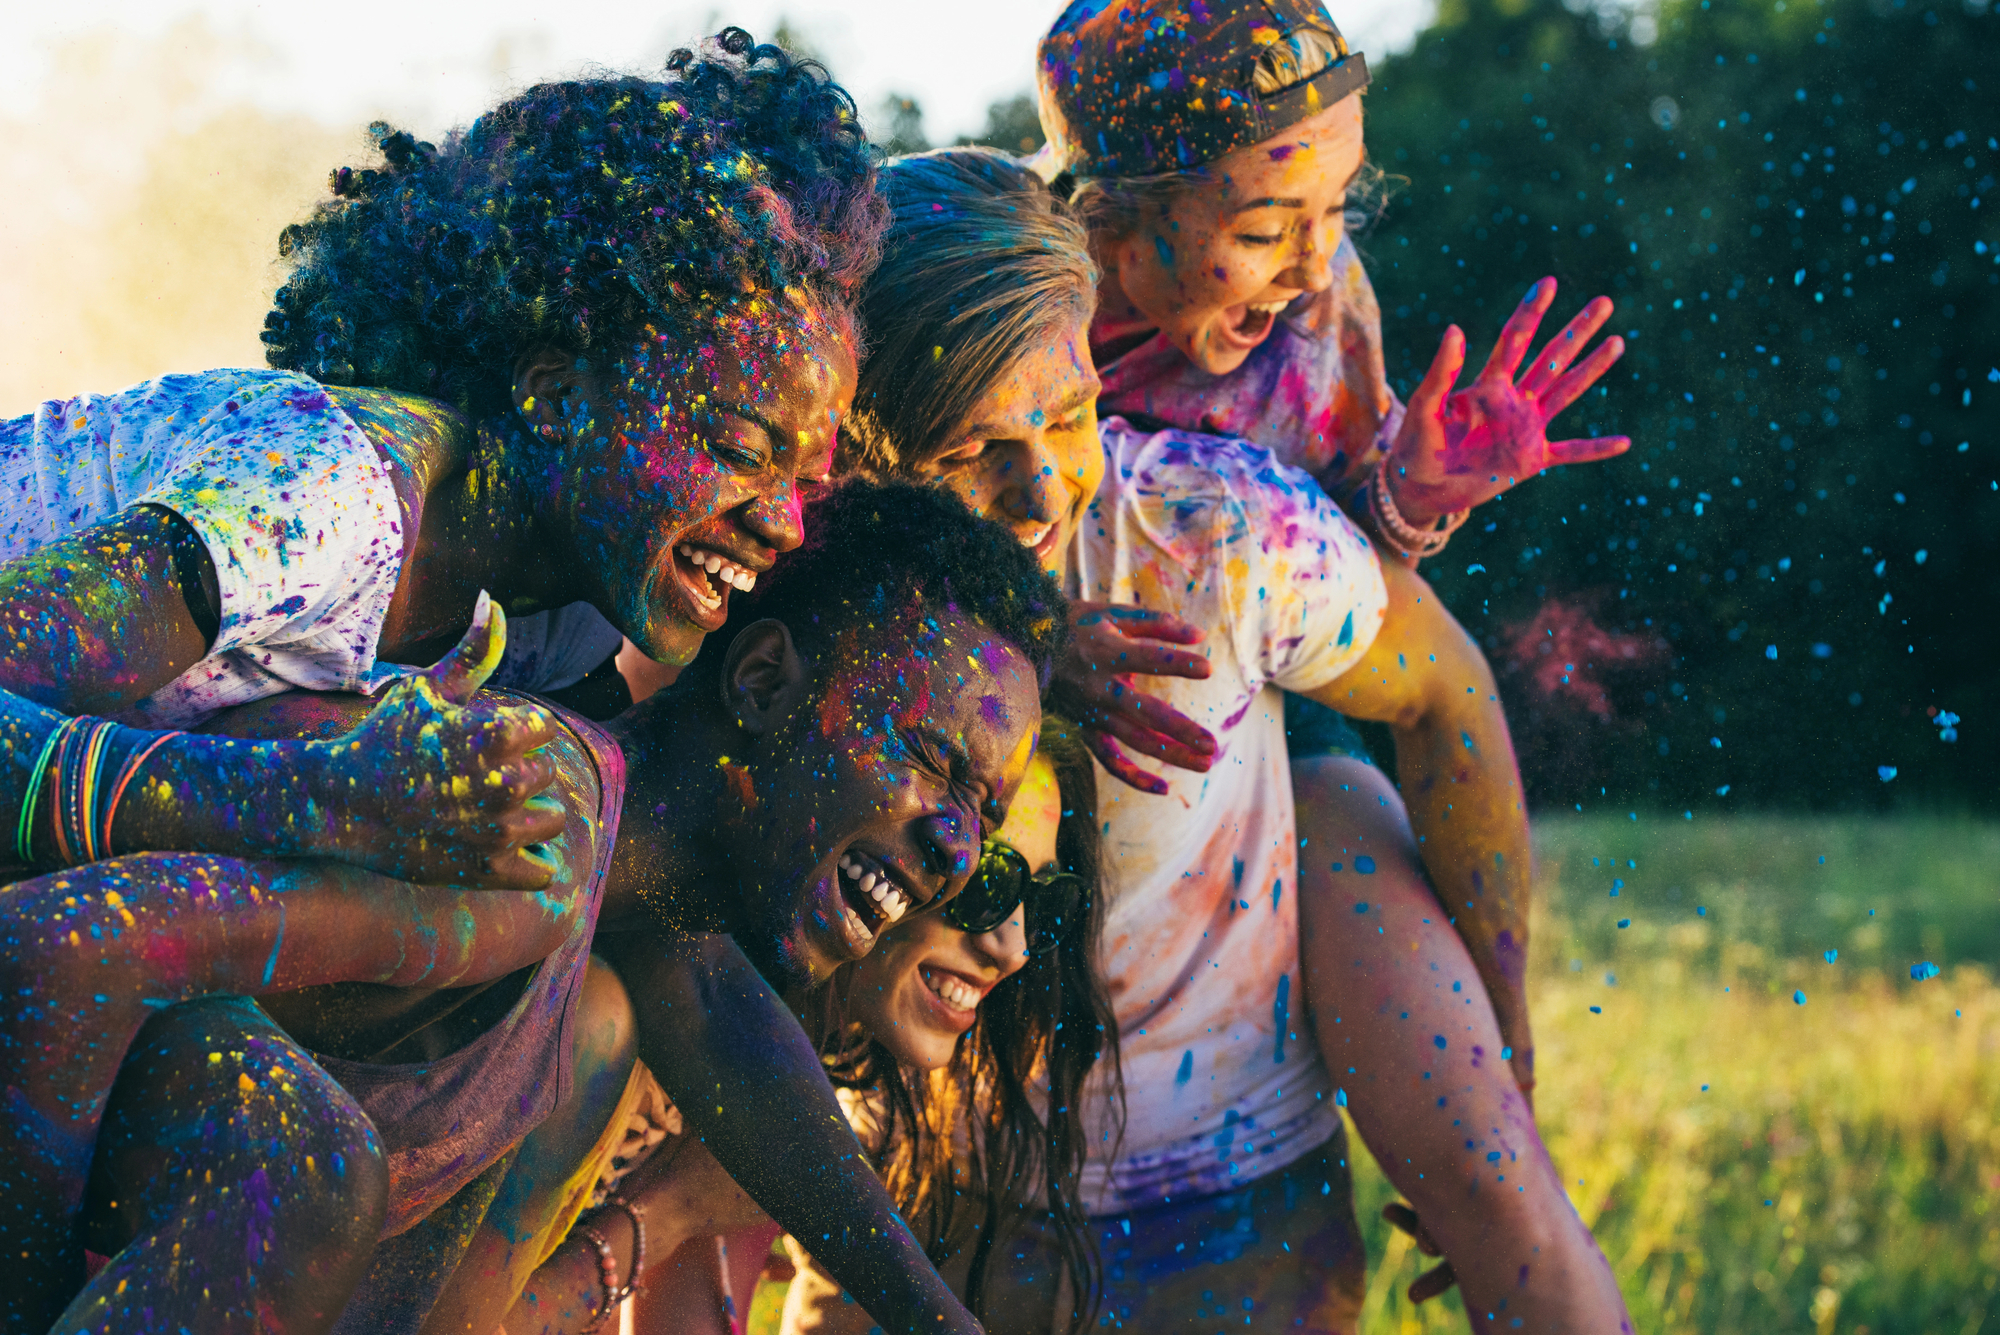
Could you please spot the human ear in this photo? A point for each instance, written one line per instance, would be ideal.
(763, 677)
(546, 382)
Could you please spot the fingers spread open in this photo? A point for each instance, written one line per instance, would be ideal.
(1188, 746)
(1566, 346)
(1138, 622)
(1519, 331)
(1588, 450)
(1150, 659)
(1119, 765)
(1562, 393)
(1429, 399)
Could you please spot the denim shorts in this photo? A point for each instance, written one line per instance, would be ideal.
(1311, 729)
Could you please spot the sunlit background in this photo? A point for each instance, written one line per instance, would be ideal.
(1750, 667)
(153, 149)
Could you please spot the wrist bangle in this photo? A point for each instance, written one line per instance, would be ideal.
(24, 829)
(616, 1202)
(126, 774)
(607, 1262)
(1414, 542)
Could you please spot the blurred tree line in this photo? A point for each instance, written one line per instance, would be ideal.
(1786, 593)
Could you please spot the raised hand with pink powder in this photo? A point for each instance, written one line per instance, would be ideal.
(1459, 448)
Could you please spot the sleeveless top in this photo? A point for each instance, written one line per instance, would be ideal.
(444, 1122)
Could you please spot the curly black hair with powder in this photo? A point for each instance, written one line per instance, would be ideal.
(574, 216)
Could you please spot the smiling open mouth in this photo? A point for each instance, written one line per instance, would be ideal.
(953, 993)
(869, 894)
(1258, 317)
(709, 576)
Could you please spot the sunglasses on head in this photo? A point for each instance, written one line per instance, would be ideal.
(1004, 882)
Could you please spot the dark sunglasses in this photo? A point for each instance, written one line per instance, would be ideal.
(1050, 902)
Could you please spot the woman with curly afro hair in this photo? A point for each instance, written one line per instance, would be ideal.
(580, 356)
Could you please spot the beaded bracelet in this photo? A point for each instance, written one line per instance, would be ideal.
(607, 1273)
(607, 1262)
(1415, 542)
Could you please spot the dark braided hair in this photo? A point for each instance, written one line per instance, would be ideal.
(577, 214)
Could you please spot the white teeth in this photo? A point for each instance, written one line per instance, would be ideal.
(712, 563)
(1268, 307)
(953, 993)
(884, 893)
(855, 927)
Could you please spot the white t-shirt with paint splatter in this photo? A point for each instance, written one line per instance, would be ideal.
(1223, 1082)
(296, 508)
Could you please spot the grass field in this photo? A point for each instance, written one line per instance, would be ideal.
(1841, 1169)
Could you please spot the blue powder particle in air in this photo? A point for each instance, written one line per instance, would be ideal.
(1921, 972)
(1365, 865)
(1832, 955)
(1361, 907)
(1623, 923)
(1799, 998)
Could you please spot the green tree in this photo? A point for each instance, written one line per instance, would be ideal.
(1012, 125)
(899, 126)
(1792, 204)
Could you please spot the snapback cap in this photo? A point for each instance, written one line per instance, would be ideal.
(1137, 87)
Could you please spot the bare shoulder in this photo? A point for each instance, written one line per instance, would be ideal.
(423, 440)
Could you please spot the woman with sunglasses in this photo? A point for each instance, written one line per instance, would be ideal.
(951, 1043)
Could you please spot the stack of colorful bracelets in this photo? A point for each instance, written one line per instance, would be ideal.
(74, 761)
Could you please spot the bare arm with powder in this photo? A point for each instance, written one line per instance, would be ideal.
(750, 1086)
(1427, 680)
(429, 746)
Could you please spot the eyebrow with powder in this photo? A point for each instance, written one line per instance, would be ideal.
(1288, 201)
(998, 431)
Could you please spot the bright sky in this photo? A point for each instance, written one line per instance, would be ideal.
(431, 65)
